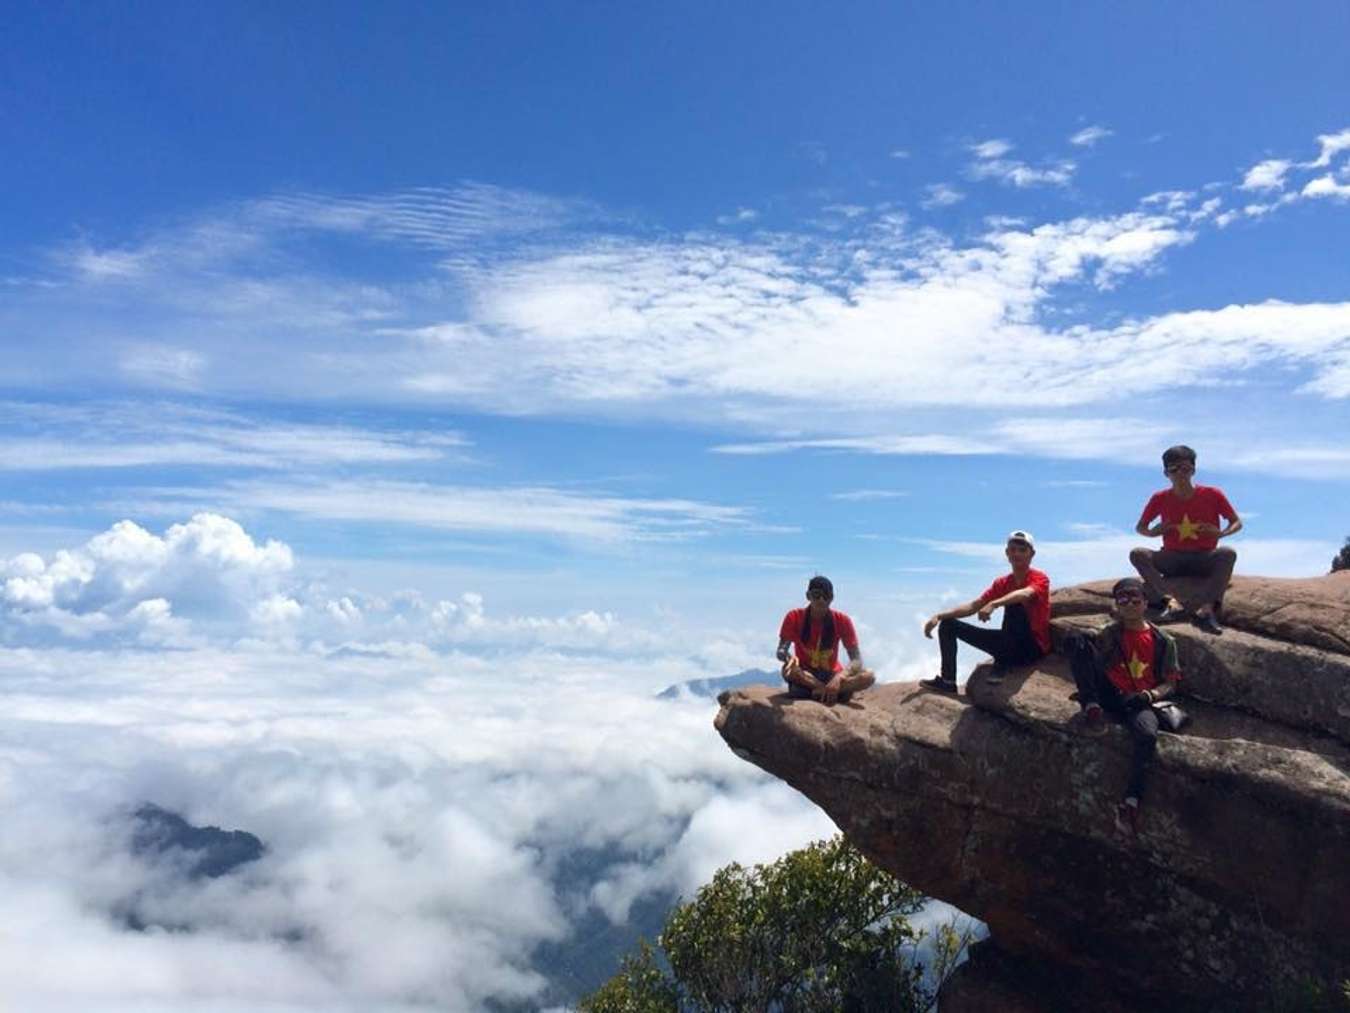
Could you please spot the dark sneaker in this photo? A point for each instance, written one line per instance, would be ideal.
(1170, 612)
(939, 683)
(1094, 719)
(1209, 624)
(1127, 817)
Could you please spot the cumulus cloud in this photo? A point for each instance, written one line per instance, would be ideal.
(1331, 145)
(1327, 186)
(442, 791)
(128, 580)
(1267, 175)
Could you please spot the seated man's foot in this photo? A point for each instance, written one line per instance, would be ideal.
(1206, 621)
(940, 684)
(1094, 719)
(857, 682)
(1165, 610)
(1127, 817)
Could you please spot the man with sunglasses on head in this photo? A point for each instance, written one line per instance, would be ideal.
(808, 647)
(1188, 519)
(1024, 596)
(1125, 669)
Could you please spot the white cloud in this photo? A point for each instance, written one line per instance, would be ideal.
(941, 195)
(523, 510)
(990, 164)
(900, 153)
(864, 495)
(991, 149)
(1089, 136)
(741, 216)
(1327, 186)
(161, 366)
(128, 581)
(1331, 145)
(415, 824)
(1267, 175)
(130, 435)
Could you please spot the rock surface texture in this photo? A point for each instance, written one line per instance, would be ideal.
(998, 803)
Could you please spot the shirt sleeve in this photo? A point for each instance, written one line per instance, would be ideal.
(1225, 508)
(1041, 583)
(789, 629)
(848, 636)
(992, 591)
(1152, 509)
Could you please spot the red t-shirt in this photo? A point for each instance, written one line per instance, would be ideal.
(1206, 506)
(812, 655)
(1038, 609)
(1133, 672)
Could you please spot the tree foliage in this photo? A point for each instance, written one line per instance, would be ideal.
(819, 929)
(1342, 559)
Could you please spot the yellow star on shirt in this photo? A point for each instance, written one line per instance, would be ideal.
(1188, 529)
(1137, 668)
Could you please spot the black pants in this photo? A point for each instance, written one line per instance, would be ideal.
(1013, 644)
(1095, 687)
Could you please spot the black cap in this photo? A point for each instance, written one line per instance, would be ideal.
(1127, 584)
(819, 583)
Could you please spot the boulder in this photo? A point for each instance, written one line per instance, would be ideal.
(996, 802)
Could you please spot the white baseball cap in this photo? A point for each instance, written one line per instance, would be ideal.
(1021, 536)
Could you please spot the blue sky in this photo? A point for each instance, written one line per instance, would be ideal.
(423, 345)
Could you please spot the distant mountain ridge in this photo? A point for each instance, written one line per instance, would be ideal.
(711, 687)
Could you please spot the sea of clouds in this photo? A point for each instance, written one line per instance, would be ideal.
(422, 774)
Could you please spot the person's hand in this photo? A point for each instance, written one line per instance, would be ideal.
(829, 693)
(1207, 529)
(985, 612)
(929, 626)
(1136, 702)
(790, 668)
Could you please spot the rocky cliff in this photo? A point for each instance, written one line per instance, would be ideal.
(997, 802)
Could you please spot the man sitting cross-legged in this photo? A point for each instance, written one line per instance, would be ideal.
(808, 647)
(1123, 670)
(1024, 596)
(1190, 530)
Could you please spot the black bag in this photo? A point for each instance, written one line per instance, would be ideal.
(1171, 716)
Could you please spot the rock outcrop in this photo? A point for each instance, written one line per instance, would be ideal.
(996, 802)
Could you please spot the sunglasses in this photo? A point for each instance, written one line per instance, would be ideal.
(1128, 599)
(1172, 468)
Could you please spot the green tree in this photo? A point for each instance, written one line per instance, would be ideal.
(1342, 560)
(819, 929)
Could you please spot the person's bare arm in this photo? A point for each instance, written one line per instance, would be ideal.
(855, 662)
(1231, 528)
(783, 648)
(956, 612)
(1011, 598)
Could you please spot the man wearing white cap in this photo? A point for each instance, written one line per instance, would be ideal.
(1024, 596)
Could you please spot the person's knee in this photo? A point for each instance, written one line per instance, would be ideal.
(1141, 556)
(1225, 554)
(946, 626)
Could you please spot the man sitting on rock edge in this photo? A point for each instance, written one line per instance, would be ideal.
(808, 647)
(1024, 596)
(1190, 530)
(1126, 669)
